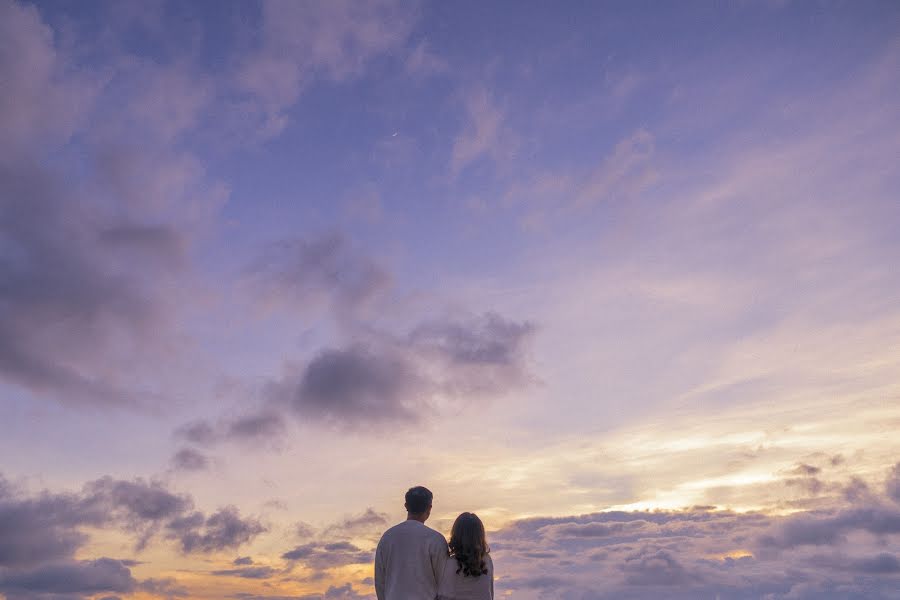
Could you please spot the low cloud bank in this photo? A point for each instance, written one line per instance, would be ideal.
(845, 550)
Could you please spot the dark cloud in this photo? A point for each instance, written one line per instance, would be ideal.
(139, 501)
(368, 524)
(804, 469)
(319, 270)
(829, 528)
(242, 560)
(300, 552)
(264, 426)
(880, 564)
(857, 490)
(223, 530)
(811, 485)
(304, 530)
(249, 596)
(475, 355)
(654, 566)
(65, 283)
(60, 289)
(156, 242)
(46, 527)
(34, 531)
(804, 477)
(331, 546)
(198, 432)
(141, 506)
(327, 555)
(343, 592)
(71, 577)
(487, 340)
(256, 426)
(258, 572)
(394, 380)
(358, 384)
(188, 459)
(804, 530)
(893, 483)
(540, 582)
(593, 530)
(166, 587)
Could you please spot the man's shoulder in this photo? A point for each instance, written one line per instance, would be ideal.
(436, 541)
(402, 528)
(436, 535)
(413, 529)
(391, 531)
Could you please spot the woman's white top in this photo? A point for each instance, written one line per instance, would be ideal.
(454, 586)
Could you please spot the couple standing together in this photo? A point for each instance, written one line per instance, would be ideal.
(414, 562)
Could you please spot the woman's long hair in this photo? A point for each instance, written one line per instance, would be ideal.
(468, 545)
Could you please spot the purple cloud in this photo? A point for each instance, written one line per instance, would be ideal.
(71, 577)
(305, 272)
(188, 459)
(222, 530)
(395, 379)
(262, 426)
(328, 555)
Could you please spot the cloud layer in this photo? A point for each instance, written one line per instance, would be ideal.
(845, 551)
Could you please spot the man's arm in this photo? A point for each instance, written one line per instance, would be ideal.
(379, 572)
(439, 555)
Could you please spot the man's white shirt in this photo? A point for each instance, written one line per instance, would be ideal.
(409, 562)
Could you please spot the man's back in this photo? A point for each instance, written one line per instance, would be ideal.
(408, 562)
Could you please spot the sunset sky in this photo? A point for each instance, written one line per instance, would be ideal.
(620, 277)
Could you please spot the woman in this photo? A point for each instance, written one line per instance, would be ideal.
(469, 572)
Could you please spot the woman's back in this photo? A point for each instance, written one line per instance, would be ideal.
(456, 586)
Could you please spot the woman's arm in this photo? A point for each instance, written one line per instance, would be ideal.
(491, 573)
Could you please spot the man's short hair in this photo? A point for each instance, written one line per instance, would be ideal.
(418, 499)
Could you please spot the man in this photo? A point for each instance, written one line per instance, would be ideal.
(410, 556)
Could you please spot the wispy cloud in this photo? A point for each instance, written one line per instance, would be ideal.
(482, 133)
(298, 42)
